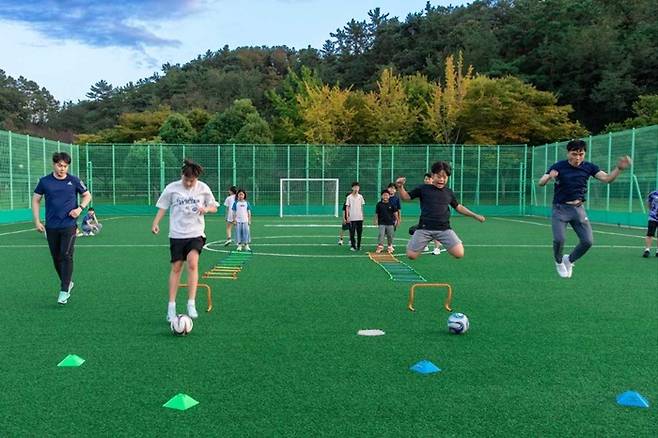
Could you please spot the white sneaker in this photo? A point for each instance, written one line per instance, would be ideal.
(63, 297)
(71, 284)
(247, 248)
(171, 315)
(436, 251)
(191, 311)
(228, 242)
(390, 249)
(352, 248)
(239, 248)
(340, 242)
(561, 270)
(568, 265)
(426, 249)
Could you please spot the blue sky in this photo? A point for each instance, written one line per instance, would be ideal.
(68, 45)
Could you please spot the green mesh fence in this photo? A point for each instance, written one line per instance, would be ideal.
(622, 202)
(123, 175)
(25, 160)
(494, 180)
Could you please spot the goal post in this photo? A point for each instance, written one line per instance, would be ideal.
(308, 197)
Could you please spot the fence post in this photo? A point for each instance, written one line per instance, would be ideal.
(11, 175)
(497, 172)
(379, 168)
(392, 166)
(162, 169)
(520, 188)
(29, 176)
(253, 172)
(307, 176)
(358, 156)
(427, 158)
(323, 175)
(451, 181)
(525, 176)
(632, 173)
(90, 178)
(235, 171)
(43, 143)
(591, 159)
(148, 172)
(114, 183)
(607, 186)
(287, 182)
(87, 167)
(461, 175)
(546, 168)
(219, 170)
(58, 147)
(477, 184)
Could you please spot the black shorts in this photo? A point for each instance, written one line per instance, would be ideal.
(180, 248)
(651, 228)
(345, 227)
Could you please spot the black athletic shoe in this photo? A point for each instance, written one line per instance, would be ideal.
(646, 253)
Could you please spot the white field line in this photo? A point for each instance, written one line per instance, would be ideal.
(549, 225)
(34, 229)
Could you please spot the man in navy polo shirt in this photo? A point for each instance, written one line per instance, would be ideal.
(571, 177)
(61, 192)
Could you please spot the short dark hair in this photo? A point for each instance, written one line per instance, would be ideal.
(356, 183)
(241, 191)
(91, 209)
(384, 191)
(191, 169)
(441, 166)
(61, 156)
(428, 175)
(391, 185)
(576, 145)
(233, 190)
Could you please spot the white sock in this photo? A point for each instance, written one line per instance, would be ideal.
(172, 307)
(190, 303)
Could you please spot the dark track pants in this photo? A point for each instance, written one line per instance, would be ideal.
(356, 227)
(564, 214)
(61, 242)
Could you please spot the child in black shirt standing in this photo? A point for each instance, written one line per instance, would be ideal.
(386, 218)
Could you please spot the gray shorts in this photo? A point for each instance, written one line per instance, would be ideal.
(422, 238)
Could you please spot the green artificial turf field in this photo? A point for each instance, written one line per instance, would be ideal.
(279, 354)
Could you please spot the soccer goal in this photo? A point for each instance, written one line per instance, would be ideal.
(308, 197)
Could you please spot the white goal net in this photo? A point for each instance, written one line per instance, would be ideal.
(308, 197)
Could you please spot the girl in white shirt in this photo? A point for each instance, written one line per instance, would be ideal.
(228, 203)
(242, 220)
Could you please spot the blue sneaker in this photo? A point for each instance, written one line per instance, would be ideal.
(63, 297)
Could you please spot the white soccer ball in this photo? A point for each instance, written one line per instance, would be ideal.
(181, 325)
(458, 323)
(436, 251)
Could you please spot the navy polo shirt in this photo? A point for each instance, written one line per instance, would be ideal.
(61, 197)
(434, 206)
(395, 201)
(571, 182)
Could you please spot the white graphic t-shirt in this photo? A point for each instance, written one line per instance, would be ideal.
(184, 219)
(354, 205)
(241, 210)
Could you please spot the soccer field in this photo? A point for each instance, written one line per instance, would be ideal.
(279, 354)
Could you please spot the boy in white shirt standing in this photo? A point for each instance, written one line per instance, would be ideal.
(187, 200)
(354, 215)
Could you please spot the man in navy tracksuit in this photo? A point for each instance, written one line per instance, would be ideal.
(62, 209)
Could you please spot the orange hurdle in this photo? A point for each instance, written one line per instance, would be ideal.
(412, 293)
(208, 290)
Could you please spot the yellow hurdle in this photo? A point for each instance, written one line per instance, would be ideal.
(208, 290)
(412, 293)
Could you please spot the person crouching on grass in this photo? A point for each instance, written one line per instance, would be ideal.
(187, 200)
(435, 200)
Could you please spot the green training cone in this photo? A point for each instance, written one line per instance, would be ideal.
(72, 360)
(180, 402)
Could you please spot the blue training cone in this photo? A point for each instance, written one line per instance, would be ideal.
(425, 367)
(633, 399)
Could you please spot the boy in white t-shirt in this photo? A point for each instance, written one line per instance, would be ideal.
(228, 203)
(354, 215)
(242, 219)
(187, 200)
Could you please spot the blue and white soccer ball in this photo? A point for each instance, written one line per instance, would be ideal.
(458, 323)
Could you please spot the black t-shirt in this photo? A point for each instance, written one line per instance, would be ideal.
(385, 213)
(434, 206)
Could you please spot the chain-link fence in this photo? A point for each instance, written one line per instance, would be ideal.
(492, 179)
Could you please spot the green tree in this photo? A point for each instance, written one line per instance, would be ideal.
(509, 111)
(224, 127)
(177, 129)
(390, 117)
(327, 119)
(646, 114)
(254, 131)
